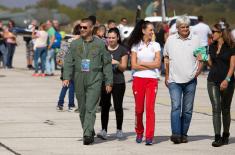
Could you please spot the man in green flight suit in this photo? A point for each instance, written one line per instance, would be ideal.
(89, 63)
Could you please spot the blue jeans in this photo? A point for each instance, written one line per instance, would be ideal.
(4, 52)
(71, 94)
(50, 63)
(182, 98)
(40, 53)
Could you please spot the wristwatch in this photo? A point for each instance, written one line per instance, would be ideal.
(228, 78)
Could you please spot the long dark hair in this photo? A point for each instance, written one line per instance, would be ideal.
(115, 30)
(226, 35)
(137, 34)
(76, 29)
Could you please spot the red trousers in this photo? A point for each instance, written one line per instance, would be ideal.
(145, 90)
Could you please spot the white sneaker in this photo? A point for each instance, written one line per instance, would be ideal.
(119, 134)
(102, 134)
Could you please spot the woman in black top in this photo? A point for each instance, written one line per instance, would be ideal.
(119, 64)
(221, 81)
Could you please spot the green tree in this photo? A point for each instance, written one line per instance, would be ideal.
(90, 6)
(51, 4)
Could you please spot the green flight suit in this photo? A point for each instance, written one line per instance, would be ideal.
(88, 84)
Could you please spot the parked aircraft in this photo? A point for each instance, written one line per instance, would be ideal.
(22, 19)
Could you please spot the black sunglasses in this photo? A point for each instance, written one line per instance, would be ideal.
(83, 27)
(214, 31)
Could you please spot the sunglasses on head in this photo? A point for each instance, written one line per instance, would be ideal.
(214, 31)
(83, 27)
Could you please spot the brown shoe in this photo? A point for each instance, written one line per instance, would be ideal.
(176, 139)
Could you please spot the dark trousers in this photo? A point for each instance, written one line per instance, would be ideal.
(10, 54)
(221, 102)
(105, 103)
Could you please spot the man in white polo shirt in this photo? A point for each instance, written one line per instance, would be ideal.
(182, 69)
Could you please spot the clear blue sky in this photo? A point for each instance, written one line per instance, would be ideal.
(23, 3)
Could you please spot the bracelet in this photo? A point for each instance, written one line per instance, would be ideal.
(228, 78)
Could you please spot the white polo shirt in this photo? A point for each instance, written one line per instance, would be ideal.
(202, 30)
(146, 53)
(182, 63)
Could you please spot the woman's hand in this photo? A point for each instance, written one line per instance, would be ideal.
(223, 85)
(199, 57)
(115, 62)
(65, 83)
(108, 89)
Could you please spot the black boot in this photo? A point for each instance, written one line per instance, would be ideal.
(87, 140)
(218, 141)
(225, 138)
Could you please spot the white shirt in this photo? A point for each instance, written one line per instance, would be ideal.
(182, 62)
(41, 40)
(173, 29)
(233, 34)
(146, 53)
(202, 30)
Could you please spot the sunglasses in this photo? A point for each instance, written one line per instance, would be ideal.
(214, 31)
(83, 27)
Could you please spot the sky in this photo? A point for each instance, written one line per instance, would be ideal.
(23, 3)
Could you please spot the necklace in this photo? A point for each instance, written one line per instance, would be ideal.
(113, 49)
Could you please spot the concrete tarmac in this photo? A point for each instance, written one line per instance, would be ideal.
(31, 125)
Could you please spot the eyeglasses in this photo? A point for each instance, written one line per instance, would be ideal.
(83, 27)
(214, 31)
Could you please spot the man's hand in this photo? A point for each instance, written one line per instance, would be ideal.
(108, 89)
(166, 81)
(223, 85)
(65, 83)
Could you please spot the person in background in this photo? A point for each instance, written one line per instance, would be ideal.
(3, 49)
(233, 34)
(63, 51)
(11, 25)
(40, 46)
(182, 69)
(29, 45)
(93, 19)
(204, 32)
(119, 65)
(10, 40)
(50, 61)
(57, 43)
(63, 91)
(100, 32)
(161, 36)
(145, 61)
(123, 23)
(111, 24)
(220, 81)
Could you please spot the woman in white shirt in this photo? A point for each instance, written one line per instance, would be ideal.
(145, 60)
(40, 47)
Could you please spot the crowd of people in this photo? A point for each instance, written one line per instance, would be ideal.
(97, 57)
